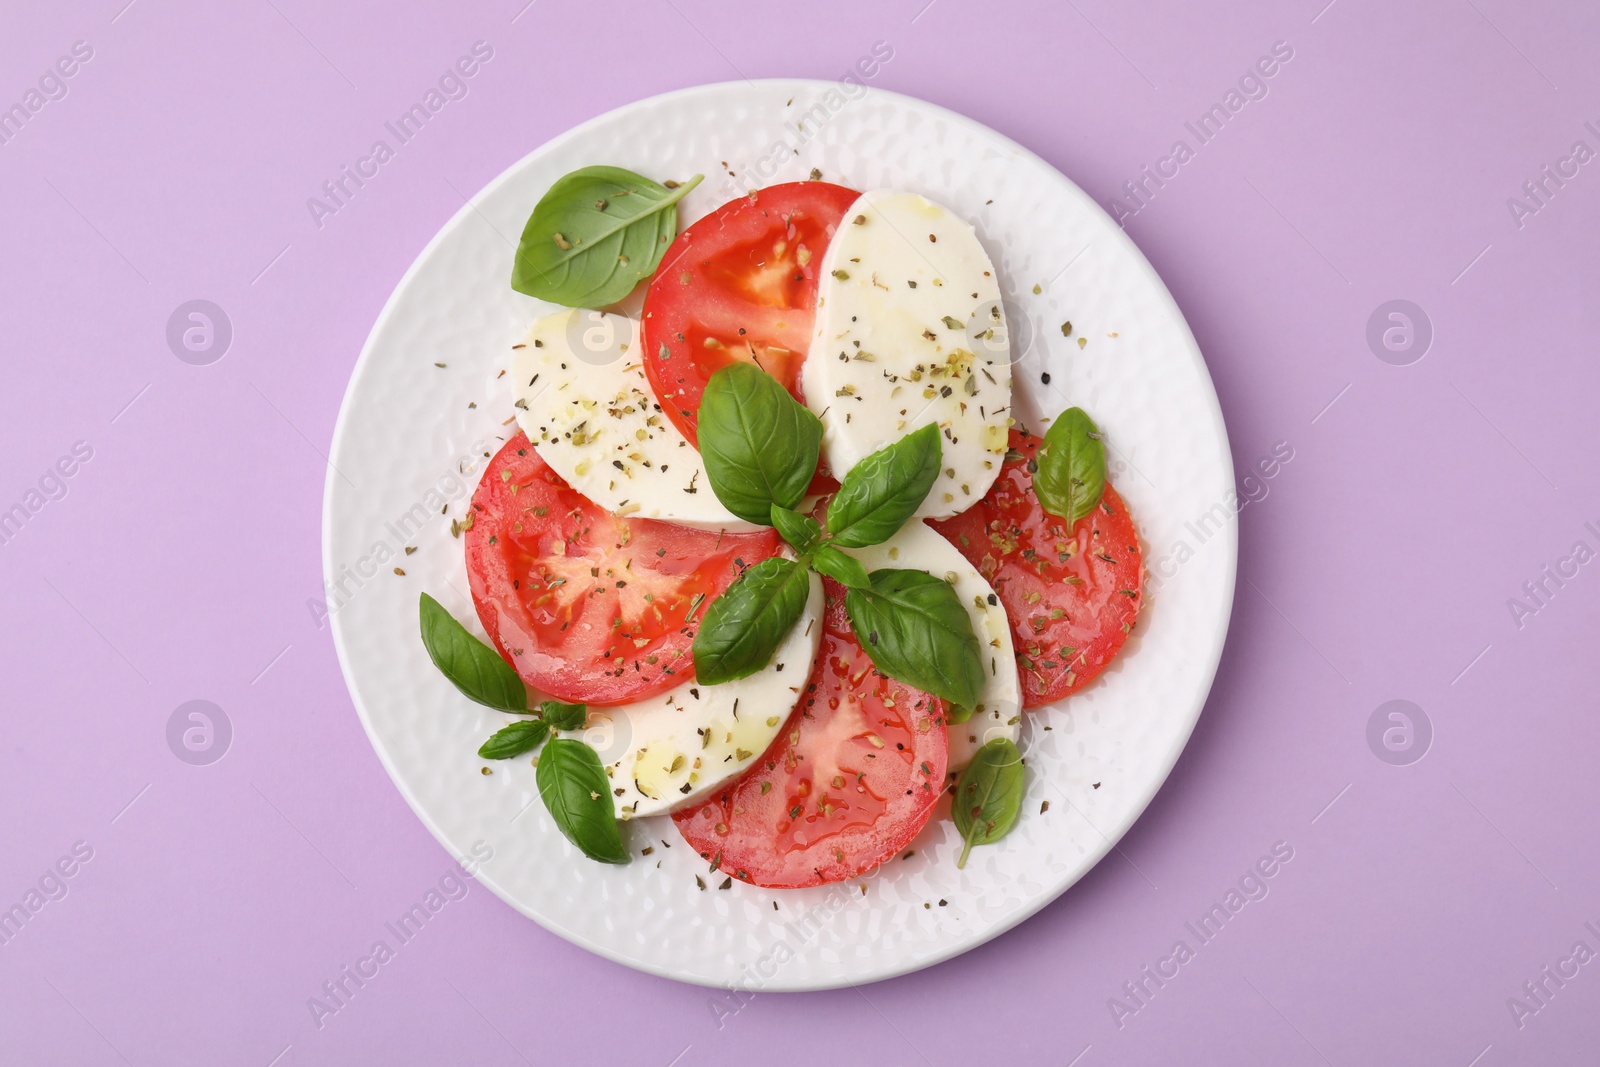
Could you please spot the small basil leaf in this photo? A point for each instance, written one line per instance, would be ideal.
(523, 736)
(1072, 467)
(837, 564)
(564, 716)
(956, 714)
(472, 666)
(799, 530)
(884, 490)
(594, 235)
(914, 628)
(988, 795)
(575, 789)
(745, 625)
(760, 446)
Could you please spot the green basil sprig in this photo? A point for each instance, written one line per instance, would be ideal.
(1072, 467)
(801, 531)
(524, 735)
(564, 716)
(529, 734)
(574, 787)
(830, 559)
(760, 449)
(915, 629)
(759, 444)
(884, 490)
(594, 235)
(572, 781)
(988, 795)
(745, 625)
(472, 666)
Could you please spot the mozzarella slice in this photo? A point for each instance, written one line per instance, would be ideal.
(999, 710)
(910, 330)
(671, 750)
(584, 402)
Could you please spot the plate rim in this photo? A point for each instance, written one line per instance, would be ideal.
(949, 948)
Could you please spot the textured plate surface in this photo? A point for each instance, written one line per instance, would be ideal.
(408, 449)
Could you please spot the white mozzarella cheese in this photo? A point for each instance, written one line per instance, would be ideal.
(671, 750)
(584, 402)
(910, 331)
(999, 710)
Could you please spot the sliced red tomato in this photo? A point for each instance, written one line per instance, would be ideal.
(586, 605)
(740, 284)
(850, 780)
(1072, 596)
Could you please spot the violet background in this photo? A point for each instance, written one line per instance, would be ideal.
(1378, 567)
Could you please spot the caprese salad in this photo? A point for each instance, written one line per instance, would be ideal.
(775, 558)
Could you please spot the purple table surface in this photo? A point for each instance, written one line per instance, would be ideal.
(1428, 542)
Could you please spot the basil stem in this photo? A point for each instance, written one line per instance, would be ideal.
(745, 625)
(988, 795)
(914, 628)
(760, 446)
(884, 490)
(1072, 467)
(522, 736)
(574, 787)
(472, 666)
(594, 235)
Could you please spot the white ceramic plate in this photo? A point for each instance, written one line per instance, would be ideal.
(408, 447)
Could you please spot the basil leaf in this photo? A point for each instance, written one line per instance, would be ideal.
(745, 625)
(522, 736)
(914, 628)
(594, 235)
(760, 446)
(799, 530)
(575, 789)
(845, 569)
(988, 795)
(564, 716)
(1072, 467)
(884, 490)
(956, 714)
(472, 666)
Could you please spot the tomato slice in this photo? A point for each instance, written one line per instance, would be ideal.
(850, 780)
(586, 605)
(739, 284)
(1072, 598)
